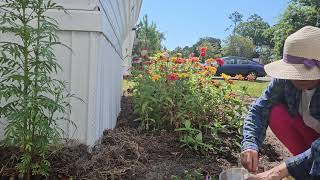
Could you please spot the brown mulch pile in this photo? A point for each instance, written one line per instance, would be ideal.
(128, 152)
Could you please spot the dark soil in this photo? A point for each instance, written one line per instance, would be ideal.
(128, 152)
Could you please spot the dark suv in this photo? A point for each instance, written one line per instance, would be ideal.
(234, 65)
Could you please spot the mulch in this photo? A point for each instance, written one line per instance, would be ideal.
(128, 152)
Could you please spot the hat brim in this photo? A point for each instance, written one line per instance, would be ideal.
(282, 70)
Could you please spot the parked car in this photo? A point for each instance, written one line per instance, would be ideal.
(234, 65)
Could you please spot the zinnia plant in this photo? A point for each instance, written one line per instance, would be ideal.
(170, 91)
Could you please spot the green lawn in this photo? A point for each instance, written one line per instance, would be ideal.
(255, 89)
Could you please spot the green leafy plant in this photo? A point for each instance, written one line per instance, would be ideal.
(174, 93)
(192, 138)
(32, 100)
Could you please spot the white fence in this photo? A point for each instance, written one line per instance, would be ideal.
(99, 32)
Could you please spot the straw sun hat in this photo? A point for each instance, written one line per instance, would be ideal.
(301, 56)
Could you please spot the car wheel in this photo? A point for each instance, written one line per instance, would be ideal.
(254, 74)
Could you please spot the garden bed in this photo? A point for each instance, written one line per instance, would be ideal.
(128, 152)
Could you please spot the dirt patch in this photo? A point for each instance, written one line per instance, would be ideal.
(128, 152)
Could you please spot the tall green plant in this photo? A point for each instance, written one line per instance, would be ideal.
(32, 100)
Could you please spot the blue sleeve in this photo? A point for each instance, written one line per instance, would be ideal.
(257, 120)
(307, 164)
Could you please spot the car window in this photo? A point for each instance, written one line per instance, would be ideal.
(230, 61)
(243, 61)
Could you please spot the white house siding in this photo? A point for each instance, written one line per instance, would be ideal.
(100, 41)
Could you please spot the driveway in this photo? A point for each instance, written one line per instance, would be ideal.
(266, 78)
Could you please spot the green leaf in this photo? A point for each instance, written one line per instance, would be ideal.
(187, 124)
(199, 137)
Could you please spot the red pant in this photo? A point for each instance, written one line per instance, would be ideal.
(291, 131)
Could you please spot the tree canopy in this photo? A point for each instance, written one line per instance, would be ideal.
(148, 37)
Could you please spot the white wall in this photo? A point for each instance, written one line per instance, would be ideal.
(100, 40)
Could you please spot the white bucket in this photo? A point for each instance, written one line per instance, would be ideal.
(234, 174)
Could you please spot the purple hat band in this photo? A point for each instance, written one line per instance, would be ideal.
(309, 63)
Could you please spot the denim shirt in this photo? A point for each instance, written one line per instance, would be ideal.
(307, 164)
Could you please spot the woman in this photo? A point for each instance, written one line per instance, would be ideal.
(291, 107)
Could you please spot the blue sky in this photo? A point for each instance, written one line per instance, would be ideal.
(185, 21)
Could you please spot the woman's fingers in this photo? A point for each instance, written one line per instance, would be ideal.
(250, 160)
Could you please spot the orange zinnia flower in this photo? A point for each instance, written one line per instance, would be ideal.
(155, 77)
(195, 59)
(179, 61)
(239, 77)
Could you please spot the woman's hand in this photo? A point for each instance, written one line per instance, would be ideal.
(268, 175)
(250, 160)
(276, 173)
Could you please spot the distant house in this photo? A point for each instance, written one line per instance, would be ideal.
(100, 34)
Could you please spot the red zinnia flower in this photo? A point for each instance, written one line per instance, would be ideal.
(203, 54)
(203, 49)
(173, 77)
(220, 61)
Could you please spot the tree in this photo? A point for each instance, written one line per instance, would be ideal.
(213, 45)
(176, 50)
(312, 3)
(149, 37)
(254, 28)
(298, 14)
(236, 18)
(239, 46)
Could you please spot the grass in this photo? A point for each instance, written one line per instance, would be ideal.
(255, 89)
